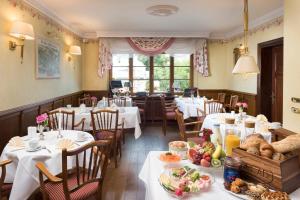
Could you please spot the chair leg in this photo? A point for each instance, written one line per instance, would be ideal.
(120, 149)
(164, 127)
(116, 155)
(123, 136)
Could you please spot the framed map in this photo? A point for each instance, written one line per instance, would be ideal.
(47, 59)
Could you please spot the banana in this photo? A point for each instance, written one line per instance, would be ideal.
(217, 153)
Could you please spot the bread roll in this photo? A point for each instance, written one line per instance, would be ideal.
(288, 144)
(253, 140)
(266, 150)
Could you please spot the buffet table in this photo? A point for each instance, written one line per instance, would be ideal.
(153, 167)
(22, 171)
(130, 115)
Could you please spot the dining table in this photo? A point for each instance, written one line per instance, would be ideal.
(130, 116)
(22, 171)
(188, 106)
(219, 118)
(153, 167)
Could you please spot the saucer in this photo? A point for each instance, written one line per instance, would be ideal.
(28, 149)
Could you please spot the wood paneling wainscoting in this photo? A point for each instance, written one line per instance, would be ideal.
(14, 122)
(243, 96)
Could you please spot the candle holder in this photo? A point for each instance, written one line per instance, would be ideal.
(41, 131)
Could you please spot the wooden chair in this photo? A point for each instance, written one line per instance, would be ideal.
(83, 181)
(168, 112)
(68, 120)
(232, 104)
(221, 97)
(85, 100)
(211, 107)
(105, 127)
(141, 103)
(5, 187)
(121, 101)
(184, 134)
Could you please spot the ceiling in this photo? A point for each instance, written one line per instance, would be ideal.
(121, 18)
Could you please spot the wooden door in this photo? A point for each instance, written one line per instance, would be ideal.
(277, 83)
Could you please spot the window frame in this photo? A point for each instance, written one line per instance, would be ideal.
(151, 74)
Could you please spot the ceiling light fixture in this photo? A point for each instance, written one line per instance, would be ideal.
(162, 10)
(246, 63)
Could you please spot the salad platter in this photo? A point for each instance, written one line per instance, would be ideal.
(183, 181)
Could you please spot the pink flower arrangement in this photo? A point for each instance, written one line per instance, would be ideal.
(42, 119)
(93, 98)
(242, 104)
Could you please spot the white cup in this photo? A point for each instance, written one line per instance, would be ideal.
(33, 144)
(80, 136)
(232, 113)
(69, 106)
(31, 131)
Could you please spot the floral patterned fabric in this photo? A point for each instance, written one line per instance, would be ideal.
(150, 46)
(201, 58)
(105, 58)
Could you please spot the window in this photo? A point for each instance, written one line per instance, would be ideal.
(182, 72)
(161, 73)
(141, 73)
(154, 74)
(120, 70)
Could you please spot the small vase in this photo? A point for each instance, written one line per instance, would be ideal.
(41, 131)
(241, 113)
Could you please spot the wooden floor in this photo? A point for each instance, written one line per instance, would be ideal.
(123, 183)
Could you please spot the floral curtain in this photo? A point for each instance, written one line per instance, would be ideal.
(150, 46)
(105, 58)
(201, 58)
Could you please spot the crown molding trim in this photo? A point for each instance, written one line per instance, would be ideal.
(38, 5)
(113, 34)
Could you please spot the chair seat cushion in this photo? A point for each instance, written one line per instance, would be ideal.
(104, 135)
(6, 187)
(55, 191)
(142, 110)
(170, 115)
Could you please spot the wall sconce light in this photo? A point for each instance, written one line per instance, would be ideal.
(22, 31)
(74, 50)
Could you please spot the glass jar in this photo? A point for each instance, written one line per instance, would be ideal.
(232, 136)
(216, 137)
(249, 128)
(231, 169)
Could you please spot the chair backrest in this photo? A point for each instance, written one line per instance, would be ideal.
(85, 100)
(120, 101)
(90, 165)
(67, 119)
(221, 97)
(3, 174)
(211, 107)
(181, 126)
(189, 91)
(105, 120)
(141, 102)
(233, 101)
(165, 104)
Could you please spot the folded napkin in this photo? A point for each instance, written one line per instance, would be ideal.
(261, 118)
(65, 144)
(16, 142)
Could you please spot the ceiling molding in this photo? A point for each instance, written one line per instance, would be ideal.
(152, 34)
(49, 13)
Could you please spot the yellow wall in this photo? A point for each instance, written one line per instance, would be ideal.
(18, 83)
(217, 65)
(291, 86)
(91, 81)
(249, 84)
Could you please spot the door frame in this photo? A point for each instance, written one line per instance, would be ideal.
(260, 46)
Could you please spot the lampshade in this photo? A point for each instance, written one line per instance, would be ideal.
(246, 65)
(22, 30)
(75, 50)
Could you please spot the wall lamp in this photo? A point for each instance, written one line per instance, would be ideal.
(22, 31)
(74, 50)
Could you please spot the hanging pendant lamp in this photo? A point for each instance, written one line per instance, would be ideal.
(246, 63)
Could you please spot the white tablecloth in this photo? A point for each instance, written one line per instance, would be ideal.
(22, 171)
(219, 118)
(131, 116)
(153, 167)
(189, 107)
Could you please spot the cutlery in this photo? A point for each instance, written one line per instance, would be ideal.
(44, 147)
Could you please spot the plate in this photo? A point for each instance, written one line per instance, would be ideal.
(28, 149)
(81, 140)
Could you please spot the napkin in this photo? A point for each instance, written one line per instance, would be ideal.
(16, 142)
(261, 118)
(65, 144)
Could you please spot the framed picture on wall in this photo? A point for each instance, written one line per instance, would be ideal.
(47, 59)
